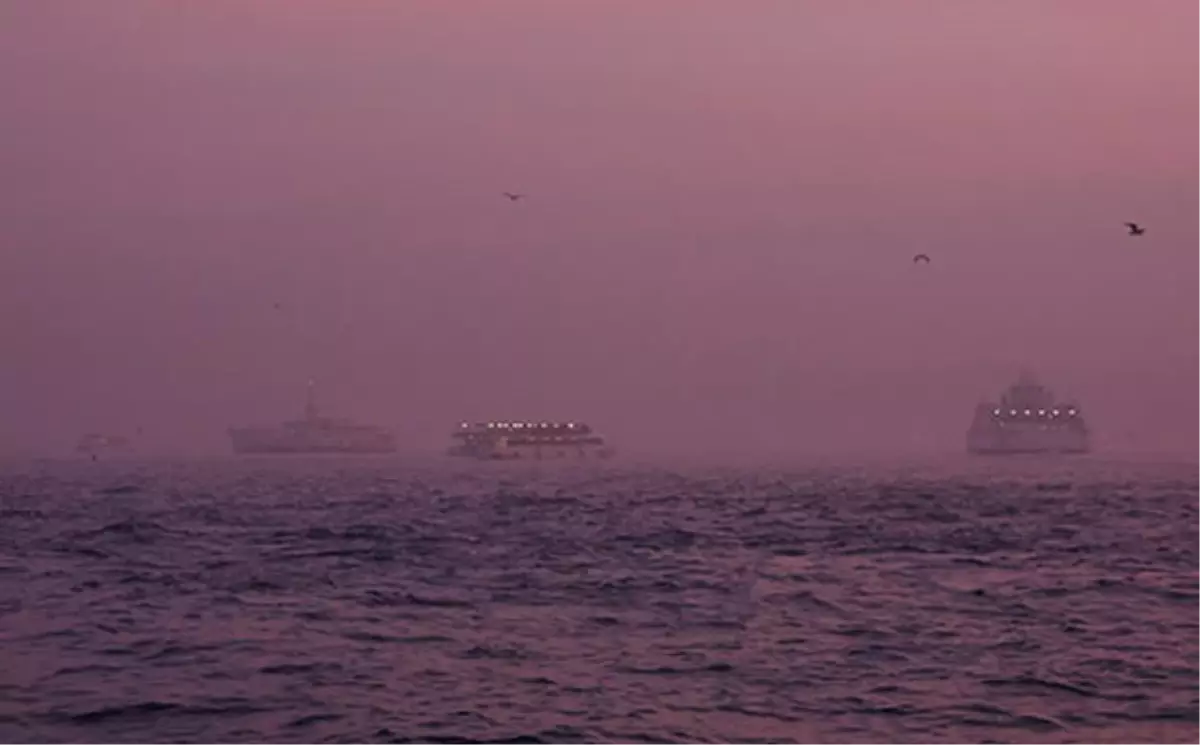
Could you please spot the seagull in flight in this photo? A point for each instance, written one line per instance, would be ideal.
(1134, 228)
(513, 197)
(921, 257)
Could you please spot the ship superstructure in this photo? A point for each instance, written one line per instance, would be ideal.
(1028, 419)
(312, 434)
(517, 440)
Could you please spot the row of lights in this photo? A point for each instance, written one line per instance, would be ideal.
(1029, 412)
(520, 425)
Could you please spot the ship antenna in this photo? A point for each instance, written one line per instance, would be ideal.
(310, 404)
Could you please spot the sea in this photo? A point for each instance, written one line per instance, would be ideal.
(421, 600)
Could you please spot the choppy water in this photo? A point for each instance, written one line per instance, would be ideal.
(375, 600)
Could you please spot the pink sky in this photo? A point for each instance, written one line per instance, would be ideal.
(715, 253)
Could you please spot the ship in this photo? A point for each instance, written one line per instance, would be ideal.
(1028, 419)
(312, 434)
(507, 440)
(94, 444)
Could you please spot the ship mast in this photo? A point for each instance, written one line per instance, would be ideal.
(310, 404)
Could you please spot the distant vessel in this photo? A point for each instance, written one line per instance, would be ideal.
(1028, 419)
(95, 445)
(529, 441)
(312, 434)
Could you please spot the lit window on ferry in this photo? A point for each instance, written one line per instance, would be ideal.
(1041, 412)
(1027, 412)
(1071, 412)
(995, 412)
(1012, 412)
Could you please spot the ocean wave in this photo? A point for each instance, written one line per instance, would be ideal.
(383, 601)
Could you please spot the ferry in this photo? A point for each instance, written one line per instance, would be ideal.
(520, 440)
(1028, 419)
(312, 434)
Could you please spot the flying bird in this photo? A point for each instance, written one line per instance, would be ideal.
(919, 258)
(513, 197)
(1134, 228)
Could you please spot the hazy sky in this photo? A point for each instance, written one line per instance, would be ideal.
(715, 254)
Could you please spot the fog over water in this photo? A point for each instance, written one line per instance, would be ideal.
(206, 205)
(714, 256)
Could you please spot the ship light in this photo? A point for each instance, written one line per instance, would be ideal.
(1054, 413)
(463, 425)
(491, 425)
(1012, 412)
(1041, 412)
(570, 425)
(1027, 412)
(1071, 412)
(995, 412)
(517, 425)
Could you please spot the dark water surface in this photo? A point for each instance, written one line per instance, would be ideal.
(384, 600)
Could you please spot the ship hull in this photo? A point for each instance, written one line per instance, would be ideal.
(1027, 443)
(269, 442)
(532, 453)
(1004, 450)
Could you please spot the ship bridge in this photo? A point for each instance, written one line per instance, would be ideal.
(1029, 400)
(1027, 393)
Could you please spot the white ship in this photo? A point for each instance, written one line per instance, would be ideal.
(506, 440)
(1028, 419)
(312, 434)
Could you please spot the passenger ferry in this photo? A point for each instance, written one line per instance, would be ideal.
(1028, 419)
(512, 440)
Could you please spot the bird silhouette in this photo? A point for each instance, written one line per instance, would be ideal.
(921, 257)
(513, 197)
(1134, 228)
